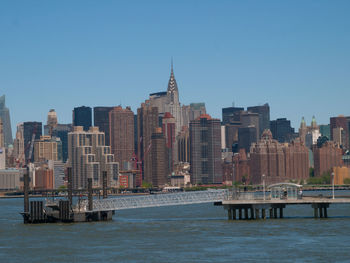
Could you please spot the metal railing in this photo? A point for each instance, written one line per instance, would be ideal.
(156, 200)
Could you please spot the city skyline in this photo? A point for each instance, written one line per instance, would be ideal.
(290, 55)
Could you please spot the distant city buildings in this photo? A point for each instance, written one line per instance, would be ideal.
(31, 131)
(82, 116)
(281, 130)
(6, 122)
(101, 120)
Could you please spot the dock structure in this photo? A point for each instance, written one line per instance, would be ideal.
(262, 209)
(252, 206)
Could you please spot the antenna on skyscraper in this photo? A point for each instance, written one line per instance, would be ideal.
(171, 63)
(233, 103)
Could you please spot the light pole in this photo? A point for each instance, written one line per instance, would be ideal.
(333, 185)
(263, 176)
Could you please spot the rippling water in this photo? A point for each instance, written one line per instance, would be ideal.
(192, 233)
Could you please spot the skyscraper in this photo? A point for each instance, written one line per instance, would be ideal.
(169, 135)
(89, 157)
(264, 116)
(5, 117)
(340, 122)
(121, 125)
(147, 122)
(281, 130)
(205, 137)
(231, 114)
(159, 159)
(61, 131)
(101, 120)
(31, 129)
(82, 116)
(51, 122)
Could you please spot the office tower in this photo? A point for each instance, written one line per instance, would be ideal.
(278, 162)
(246, 137)
(183, 142)
(121, 125)
(31, 131)
(231, 134)
(281, 130)
(264, 116)
(136, 136)
(159, 159)
(101, 120)
(169, 135)
(192, 112)
(231, 114)
(340, 122)
(89, 157)
(303, 130)
(326, 156)
(18, 146)
(147, 122)
(46, 149)
(313, 133)
(58, 172)
(205, 137)
(6, 122)
(82, 116)
(44, 178)
(61, 131)
(159, 100)
(249, 119)
(51, 122)
(2, 143)
(325, 131)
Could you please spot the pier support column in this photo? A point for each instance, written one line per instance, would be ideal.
(252, 213)
(271, 212)
(26, 195)
(70, 187)
(104, 184)
(246, 216)
(257, 213)
(281, 212)
(263, 213)
(229, 214)
(315, 207)
(275, 212)
(325, 212)
(233, 213)
(240, 213)
(321, 212)
(90, 194)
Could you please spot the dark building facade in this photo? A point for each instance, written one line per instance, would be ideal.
(183, 142)
(246, 136)
(169, 135)
(61, 131)
(101, 120)
(231, 114)
(30, 128)
(159, 159)
(281, 130)
(340, 122)
(82, 116)
(122, 135)
(205, 138)
(326, 156)
(264, 116)
(147, 122)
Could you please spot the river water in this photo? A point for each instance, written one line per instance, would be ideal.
(191, 233)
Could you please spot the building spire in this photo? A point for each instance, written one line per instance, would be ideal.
(172, 68)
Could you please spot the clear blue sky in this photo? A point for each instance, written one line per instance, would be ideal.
(295, 55)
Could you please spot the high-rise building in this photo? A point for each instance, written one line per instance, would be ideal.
(340, 122)
(61, 131)
(231, 134)
(246, 137)
(31, 130)
(281, 130)
(2, 143)
(58, 173)
(101, 120)
(159, 159)
(147, 122)
(231, 114)
(250, 119)
(51, 122)
(46, 149)
(325, 131)
(82, 116)
(183, 142)
(89, 157)
(278, 162)
(169, 135)
(264, 116)
(121, 125)
(205, 137)
(43, 178)
(326, 156)
(5, 117)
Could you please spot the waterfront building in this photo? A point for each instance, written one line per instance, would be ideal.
(89, 157)
(278, 162)
(82, 116)
(31, 129)
(264, 116)
(147, 122)
(58, 168)
(326, 156)
(281, 130)
(101, 120)
(6, 122)
(10, 179)
(44, 179)
(205, 151)
(121, 125)
(241, 167)
(46, 148)
(160, 161)
(340, 174)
